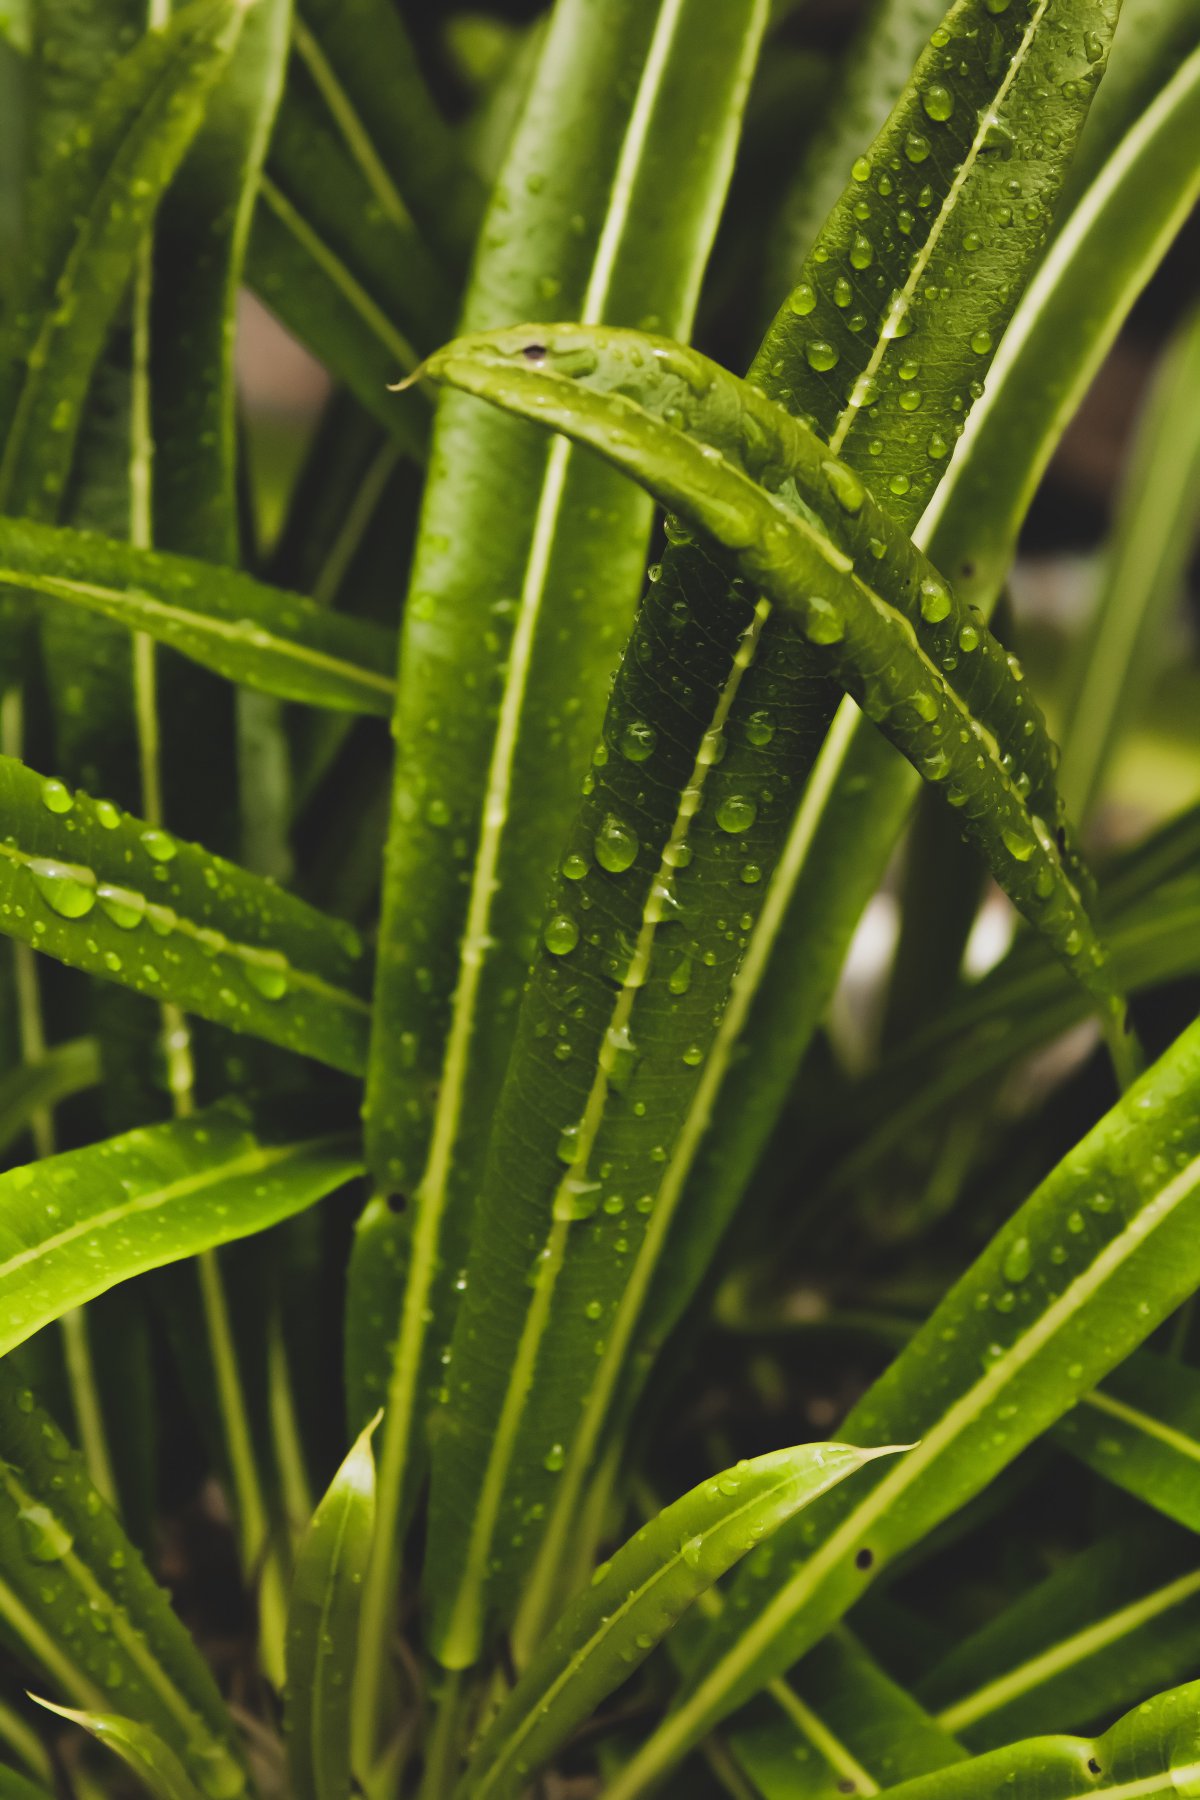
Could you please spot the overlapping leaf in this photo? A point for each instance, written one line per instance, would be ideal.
(1101, 1253)
(65, 1559)
(140, 1748)
(104, 892)
(636, 1598)
(1141, 1431)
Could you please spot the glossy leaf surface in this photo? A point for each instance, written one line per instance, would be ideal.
(1141, 1431)
(140, 1748)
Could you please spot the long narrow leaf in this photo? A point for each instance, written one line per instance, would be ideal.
(139, 1747)
(104, 892)
(1100, 1254)
(638, 1596)
(1141, 1431)
(74, 1225)
(275, 642)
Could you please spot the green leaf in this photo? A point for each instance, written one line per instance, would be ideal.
(76, 1224)
(64, 1557)
(91, 225)
(1153, 1753)
(839, 1719)
(860, 791)
(1106, 1629)
(635, 1599)
(153, 1762)
(331, 1566)
(550, 561)
(1144, 572)
(1095, 1259)
(104, 892)
(763, 486)
(1141, 1431)
(275, 642)
(361, 58)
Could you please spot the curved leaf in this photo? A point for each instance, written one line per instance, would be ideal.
(139, 1747)
(1141, 1431)
(66, 1069)
(1153, 1753)
(635, 1599)
(549, 558)
(102, 891)
(278, 643)
(331, 1566)
(64, 1557)
(1100, 1254)
(75, 1225)
(1106, 1629)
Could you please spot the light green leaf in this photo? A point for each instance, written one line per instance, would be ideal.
(1153, 538)
(104, 892)
(278, 643)
(64, 1557)
(549, 560)
(74, 1225)
(1141, 1431)
(635, 1599)
(102, 198)
(1109, 1627)
(331, 1566)
(153, 1762)
(1095, 1259)
(1153, 1753)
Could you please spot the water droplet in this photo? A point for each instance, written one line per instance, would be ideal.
(45, 1538)
(56, 798)
(802, 299)
(935, 601)
(693, 1055)
(938, 102)
(1018, 1260)
(554, 1458)
(576, 1198)
(1018, 844)
(575, 867)
(569, 1147)
(916, 147)
(159, 845)
(968, 638)
(760, 728)
(861, 169)
(823, 622)
(981, 342)
(736, 813)
(616, 845)
(561, 934)
(862, 252)
(107, 815)
(821, 354)
(638, 740)
(267, 973)
(69, 890)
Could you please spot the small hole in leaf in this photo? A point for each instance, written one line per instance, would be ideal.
(397, 1203)
(1093, 1766)
(864, 1559)
(846, 1787)
(534, 353)
(968, 569)
(1060, 838)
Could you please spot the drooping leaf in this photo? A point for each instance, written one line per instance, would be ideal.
(549, 558)
(753, 478)
(64, 1558)
(1108, 1628)
(1100, 1254)
(331, 1566)
(139, 1747)
(76, 1224)
(277, 643)
(104, 892)
(1141, 1431)
(637, 1597)
(1153, 538)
